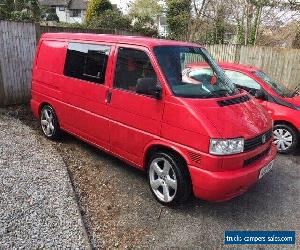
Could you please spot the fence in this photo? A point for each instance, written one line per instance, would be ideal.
(18, 42)
(282, 64)
(17, 47)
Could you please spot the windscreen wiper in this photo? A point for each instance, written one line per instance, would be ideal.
(296, 91)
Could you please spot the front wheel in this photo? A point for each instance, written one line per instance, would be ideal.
(285, 138)
(168, 178)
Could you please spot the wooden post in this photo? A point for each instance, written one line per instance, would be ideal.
(237, 54)
(2, 94)
(37, 32)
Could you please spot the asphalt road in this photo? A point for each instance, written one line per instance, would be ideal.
(119, 211)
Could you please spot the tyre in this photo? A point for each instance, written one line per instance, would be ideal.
(285, 138)
(49, 122)
(168, 178)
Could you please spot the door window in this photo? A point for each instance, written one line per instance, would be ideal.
(243, 81)
(132, 66)
(87, 62)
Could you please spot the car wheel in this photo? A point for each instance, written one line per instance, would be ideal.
(169, 178)
(49, 122)
(285, 138)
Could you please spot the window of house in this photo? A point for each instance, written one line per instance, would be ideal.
(61, 8)
(132, 65)
(75, 13)
(87, 62)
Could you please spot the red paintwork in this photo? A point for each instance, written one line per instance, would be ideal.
(278, 112)
(131, 124)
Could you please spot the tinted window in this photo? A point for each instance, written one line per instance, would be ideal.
(132, 65)
(87, 62)
(242, 80)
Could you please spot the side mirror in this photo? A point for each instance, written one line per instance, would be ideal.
(213, 80)
(149, 86)
(260, 94)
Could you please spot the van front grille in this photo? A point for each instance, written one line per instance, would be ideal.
(256, 157)
(258, 141)
(237, 100)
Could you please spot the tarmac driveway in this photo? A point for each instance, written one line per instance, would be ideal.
(119, 211)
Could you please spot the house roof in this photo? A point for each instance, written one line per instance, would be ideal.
(54, 2)
(78, 4)
(71, 4)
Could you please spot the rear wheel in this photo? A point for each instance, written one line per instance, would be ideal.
(285, 138)
(168, 178)
(49, 122)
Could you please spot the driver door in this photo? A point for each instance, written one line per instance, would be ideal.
(135, 119)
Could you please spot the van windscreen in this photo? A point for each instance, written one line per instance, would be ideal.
(176, 63)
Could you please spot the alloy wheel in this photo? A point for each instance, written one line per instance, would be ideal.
(163, 180)
(47, 122)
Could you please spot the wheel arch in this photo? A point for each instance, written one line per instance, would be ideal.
(287, 123)
(42, 104)
(164, 147)
(178, 154)
(295, 142)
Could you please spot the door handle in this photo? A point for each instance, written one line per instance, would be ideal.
(108, 96)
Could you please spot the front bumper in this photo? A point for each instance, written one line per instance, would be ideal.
(221, 186)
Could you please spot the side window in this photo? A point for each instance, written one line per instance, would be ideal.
(132, 66)
(87, 62)
(242, 80)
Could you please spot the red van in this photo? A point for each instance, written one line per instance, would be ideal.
(281, 103)
(127, 96)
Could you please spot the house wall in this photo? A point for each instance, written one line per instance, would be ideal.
(79, 19)
(162, 30)
(65, 16)
(62, 15)
(162, 25)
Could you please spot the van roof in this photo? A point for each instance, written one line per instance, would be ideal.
(134, 40)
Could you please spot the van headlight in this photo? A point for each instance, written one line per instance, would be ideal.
(226, 146)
